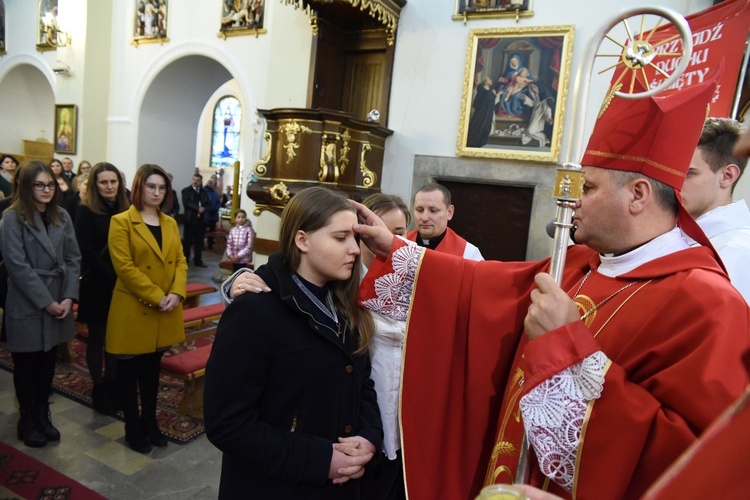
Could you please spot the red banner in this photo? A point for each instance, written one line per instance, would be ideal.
(719, 32)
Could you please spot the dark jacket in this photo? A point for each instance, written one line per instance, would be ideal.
(213, 206)
(98, 276)
(280, 389)
(191, 201)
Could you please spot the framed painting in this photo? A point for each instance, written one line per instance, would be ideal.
(46, 18)
(492, 9)
(514, 94)
(66, 128)
(150, 22)
(2, 27)
(242, 17)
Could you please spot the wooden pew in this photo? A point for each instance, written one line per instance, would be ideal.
(194, 292)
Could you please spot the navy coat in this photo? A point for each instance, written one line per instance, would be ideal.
(280, 389)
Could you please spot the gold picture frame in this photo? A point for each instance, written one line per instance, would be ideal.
(515, 91)
(150, 22)
(242, 17)
(48, 9)
(492, 9)
(66, 128)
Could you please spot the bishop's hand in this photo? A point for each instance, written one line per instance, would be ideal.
(373, 231)
(550, 307)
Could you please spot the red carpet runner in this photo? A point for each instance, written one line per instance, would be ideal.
(26, 477)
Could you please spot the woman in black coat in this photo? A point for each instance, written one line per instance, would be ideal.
(105, 197)
(288, 397)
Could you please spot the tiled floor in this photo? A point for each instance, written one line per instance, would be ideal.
(93, 450)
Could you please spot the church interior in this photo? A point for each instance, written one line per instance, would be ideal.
(273, 96)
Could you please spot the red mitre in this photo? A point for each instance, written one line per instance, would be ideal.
(657, 137)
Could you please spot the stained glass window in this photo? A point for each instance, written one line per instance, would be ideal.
(225, 139)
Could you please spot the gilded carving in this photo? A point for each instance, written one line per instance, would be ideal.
(369, 177)
(280, 192)
(344, 151)
(290, 130)
(261, 167)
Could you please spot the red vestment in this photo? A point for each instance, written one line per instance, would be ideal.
(716, 465)
(451, 243)
(671, 337)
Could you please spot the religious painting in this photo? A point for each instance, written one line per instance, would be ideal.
(150, 22)
(492, 9)
(514, 95)
(242, 17)
(66, 128)
(2, 27)
(46, 24)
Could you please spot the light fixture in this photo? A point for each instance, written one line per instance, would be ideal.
(53, 35)
(373, 116)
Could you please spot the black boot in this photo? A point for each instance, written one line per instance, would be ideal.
(136, 438)
(127, 382)
(28, 432)
(152, 432)
(43, 422)
(102, 403)
(148, 382)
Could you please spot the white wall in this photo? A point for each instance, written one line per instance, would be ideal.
(429, 73)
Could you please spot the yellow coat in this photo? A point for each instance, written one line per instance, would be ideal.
(145, 274)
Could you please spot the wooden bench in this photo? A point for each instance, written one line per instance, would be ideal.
(190, 367)
(193, 294)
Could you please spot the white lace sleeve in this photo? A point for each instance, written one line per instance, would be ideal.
(553, 415)
(393, 291)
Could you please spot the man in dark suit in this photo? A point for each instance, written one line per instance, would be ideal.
(195, 200)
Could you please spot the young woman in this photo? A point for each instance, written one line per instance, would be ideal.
(8, 166)
(68, 199)
(145, 316)
(43, 263)
(386, 479)
(83, 168)
(103, 199)
(288, 397)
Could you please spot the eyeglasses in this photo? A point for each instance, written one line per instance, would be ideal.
(153, 188)
(40, 186)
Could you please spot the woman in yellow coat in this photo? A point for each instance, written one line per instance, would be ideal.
(145, 316)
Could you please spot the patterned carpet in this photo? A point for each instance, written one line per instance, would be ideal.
(22, 476)
(72, 381)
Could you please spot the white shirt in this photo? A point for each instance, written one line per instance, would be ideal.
(386, 352)
(728, 228)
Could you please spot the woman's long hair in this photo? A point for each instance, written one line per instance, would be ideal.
(310, 210)
(23, 192)
(94, 200)
(139, 185)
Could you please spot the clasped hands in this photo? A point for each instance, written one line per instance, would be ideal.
(349, 457)
(59, 310)
(169, 302)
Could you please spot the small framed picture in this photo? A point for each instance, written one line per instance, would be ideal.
(150, 22)
(242, 17)
(492, 9)
(515, 90)
(66, 128)
(2, 27)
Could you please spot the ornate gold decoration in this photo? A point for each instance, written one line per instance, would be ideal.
(291, 130)
(369, 177)
(280, 192)
(608, 99)
(375, 8)
(328, 158)
(260, 168)
(314, 24)
(568, 184)
(344, 151)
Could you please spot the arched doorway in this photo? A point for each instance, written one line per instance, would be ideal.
(27, 107)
